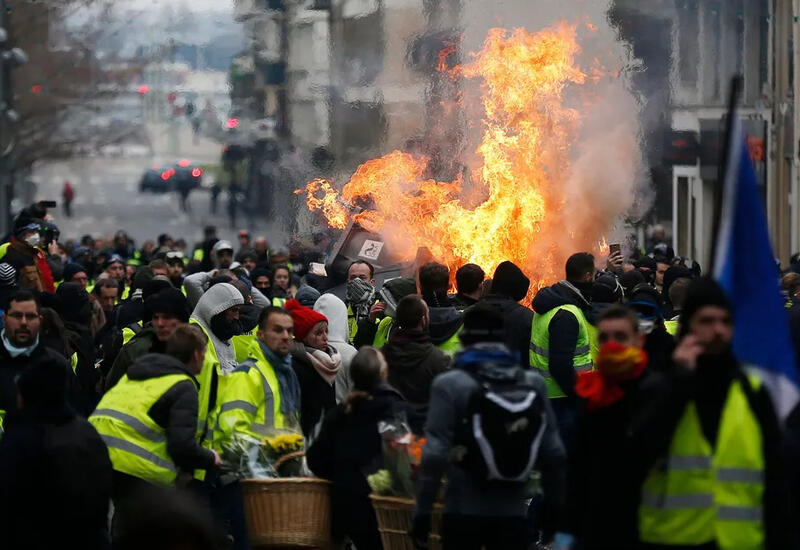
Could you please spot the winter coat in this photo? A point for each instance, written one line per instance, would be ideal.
(11, 368)
(465, 494)
(197, 283)
(517, 322)
(175, 411)
(217, 299)
(338, 338)
(614, 448)
(55, 478)
(413, 364)
(445, 322)
(347, 449)
(141, 344)
(317, 396)
(348, 445)
(563, 330)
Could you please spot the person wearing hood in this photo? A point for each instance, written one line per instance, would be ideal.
(508, 288)
(308, 296)
(414, 361)
(76, 312)
(49, 450)
(335, 312)
(163, 312)
(480, 512)
(671, 275)
(721, 481)
(316, 364)
(152, 438)
(563, 340)
(22, 252)
(444, 320)
(198, 283)
(217, 313)
(348, 448)
(606, 291)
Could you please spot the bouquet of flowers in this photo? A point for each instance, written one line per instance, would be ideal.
(279, 454)
(402, 455)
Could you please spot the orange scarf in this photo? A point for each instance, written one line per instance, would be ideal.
(615, 363)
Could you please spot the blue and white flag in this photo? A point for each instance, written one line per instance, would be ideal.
(745, 268)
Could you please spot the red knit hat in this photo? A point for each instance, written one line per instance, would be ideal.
(304, 318)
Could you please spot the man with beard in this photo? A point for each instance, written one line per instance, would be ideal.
(721, 482)
(175, 268)
(217, 313)
(20, 349)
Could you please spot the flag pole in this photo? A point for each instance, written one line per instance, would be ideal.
(737, 83)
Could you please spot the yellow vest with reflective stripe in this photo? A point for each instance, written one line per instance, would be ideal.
(128, 333)
(384, 330)
(702, 495)
(137, 446)
(539, 354)
(250, 402)
(279, 302)
(672, 327)
(205, 379)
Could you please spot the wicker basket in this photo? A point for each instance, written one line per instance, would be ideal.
(288, 512)
(395, 518)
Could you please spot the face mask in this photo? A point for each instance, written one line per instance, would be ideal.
(646, 326)
(33, 240)
(248, 316)
(224, 329)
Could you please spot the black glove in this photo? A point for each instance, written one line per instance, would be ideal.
(420, 530)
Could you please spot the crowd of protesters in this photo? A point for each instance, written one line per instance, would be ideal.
(123, 370)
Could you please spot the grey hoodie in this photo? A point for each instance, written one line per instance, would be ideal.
(217, 299)
(338, 338)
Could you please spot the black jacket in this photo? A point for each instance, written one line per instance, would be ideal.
(88, 376)
(518, 320)
(413, 363)
(563, 330)
(349, 445)
(143, 343)
(53, 465)
(11, 368)
(444, 323)
(175, 411)
(317, 396)
(614, 448)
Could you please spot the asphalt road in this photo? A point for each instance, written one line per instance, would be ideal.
(107, 199)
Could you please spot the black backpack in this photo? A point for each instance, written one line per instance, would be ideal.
(499, 438)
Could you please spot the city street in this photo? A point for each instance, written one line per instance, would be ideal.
(107, 196)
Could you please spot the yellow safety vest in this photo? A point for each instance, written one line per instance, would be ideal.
(137, 446)
(672, 327)
(251, 400)
(384, 331)
(702, 494)
(128, 333)
(539, 354)
(279, 302)
(452, 345)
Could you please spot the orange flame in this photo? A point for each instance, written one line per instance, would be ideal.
(602, 247)
(516, 207)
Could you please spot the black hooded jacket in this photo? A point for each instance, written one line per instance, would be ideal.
(563, 330)
(175, 411)
(509, 287)
(413, 364)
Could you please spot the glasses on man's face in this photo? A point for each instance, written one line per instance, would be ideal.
(19, 316)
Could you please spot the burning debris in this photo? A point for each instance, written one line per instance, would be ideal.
(531, 198)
